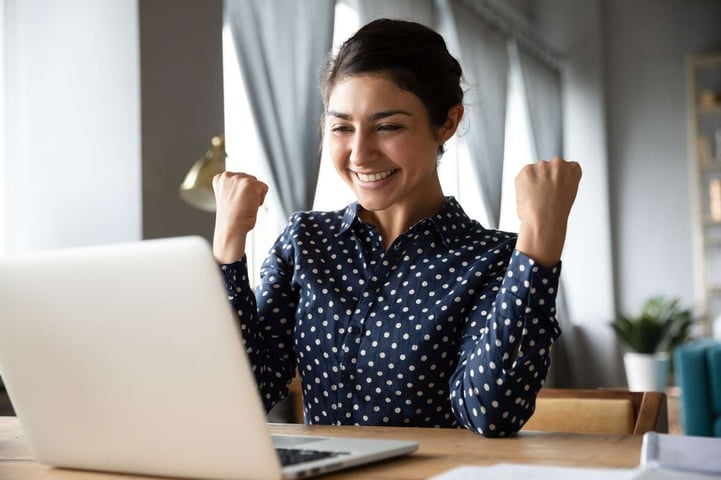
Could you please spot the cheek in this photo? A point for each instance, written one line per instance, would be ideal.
(336, 154)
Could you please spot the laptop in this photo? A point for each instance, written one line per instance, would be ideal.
(128, 358)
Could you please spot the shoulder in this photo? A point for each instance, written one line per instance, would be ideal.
(459, 230)
(315, 222)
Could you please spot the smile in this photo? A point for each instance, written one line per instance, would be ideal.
(374, 177)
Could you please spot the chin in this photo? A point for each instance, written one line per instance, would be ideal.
(373, 205)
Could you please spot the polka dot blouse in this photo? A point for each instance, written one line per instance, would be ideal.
(450, 326)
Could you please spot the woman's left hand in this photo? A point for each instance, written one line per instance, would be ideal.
(545, 192)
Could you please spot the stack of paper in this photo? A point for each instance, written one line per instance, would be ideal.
(663, 457)
(514, 471)
(689, 457)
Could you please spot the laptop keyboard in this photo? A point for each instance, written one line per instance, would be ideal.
(292, 456)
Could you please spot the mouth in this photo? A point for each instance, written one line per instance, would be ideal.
(374, 177)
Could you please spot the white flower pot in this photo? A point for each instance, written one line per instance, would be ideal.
(646, 372)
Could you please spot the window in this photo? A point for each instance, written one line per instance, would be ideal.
(331, 192)
(517, 150)
(456, 172)
(245, 154)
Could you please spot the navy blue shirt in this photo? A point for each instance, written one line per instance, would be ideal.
(450, 326)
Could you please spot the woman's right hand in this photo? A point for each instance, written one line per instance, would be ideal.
(238, 196)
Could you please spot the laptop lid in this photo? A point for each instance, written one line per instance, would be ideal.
(128, 358)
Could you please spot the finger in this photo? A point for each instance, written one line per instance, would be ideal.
(216, 181)
(263, 193)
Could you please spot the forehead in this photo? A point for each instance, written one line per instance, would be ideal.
(369, 92)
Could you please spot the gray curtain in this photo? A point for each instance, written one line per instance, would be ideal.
(421, 11)
(281, 45)
(542, 85)
(483, 54)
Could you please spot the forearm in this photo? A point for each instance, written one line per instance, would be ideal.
(543, 242)
(270, 367)
(228, 249)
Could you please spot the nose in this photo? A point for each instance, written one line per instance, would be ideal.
(364, 148)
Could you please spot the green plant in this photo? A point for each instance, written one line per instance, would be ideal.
(661, 326)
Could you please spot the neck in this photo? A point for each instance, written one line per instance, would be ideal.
(394, 221)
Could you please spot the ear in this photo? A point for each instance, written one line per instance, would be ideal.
(455, 114)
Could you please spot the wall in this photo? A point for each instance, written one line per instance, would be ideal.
(625, 120)
(72, 97)
(3, 136)
(575, 29)
(82, 166)
(646, 102)
(182, 107)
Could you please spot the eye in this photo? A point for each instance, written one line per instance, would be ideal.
(389, 127)
(341, 129)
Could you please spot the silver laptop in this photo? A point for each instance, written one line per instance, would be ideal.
(128, 358)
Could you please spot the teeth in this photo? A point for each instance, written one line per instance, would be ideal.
(374, 177)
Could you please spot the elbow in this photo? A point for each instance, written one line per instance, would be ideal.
(489, 422)
(499, 426)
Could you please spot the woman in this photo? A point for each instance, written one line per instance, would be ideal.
(399, 309)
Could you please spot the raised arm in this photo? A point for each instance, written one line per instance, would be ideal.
(266, 326)
(505, 351)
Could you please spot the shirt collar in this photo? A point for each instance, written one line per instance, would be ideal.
(349, 217)
(450, 221)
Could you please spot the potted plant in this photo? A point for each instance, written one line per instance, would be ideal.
(651, 336)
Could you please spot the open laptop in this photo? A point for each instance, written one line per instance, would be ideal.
(128, 358)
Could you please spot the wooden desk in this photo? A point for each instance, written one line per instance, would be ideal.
(440, 450)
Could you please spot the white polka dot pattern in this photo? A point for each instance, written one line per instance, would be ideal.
(451, 326)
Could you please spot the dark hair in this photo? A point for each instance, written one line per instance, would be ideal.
(412, 55)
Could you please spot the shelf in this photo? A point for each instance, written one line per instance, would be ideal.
(704, 120)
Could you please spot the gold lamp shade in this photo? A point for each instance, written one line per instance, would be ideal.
(197, 188)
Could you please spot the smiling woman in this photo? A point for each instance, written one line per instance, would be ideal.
(385, 148)
(399, 309)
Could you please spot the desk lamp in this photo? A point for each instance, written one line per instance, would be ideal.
(197, 188)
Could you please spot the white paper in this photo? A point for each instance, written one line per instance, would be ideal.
(682, 452)
(512, 471)
(667, 474)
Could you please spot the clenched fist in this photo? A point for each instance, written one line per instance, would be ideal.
(238, 196)
(545, 192)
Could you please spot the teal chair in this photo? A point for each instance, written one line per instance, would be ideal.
(698, 374)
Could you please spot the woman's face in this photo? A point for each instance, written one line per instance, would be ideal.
(382, 144)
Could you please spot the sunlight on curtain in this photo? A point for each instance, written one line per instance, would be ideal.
(246, 155)
(331, 192)
(518, 150)
(458, 177)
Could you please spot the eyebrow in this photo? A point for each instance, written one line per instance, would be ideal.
(372, 117)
